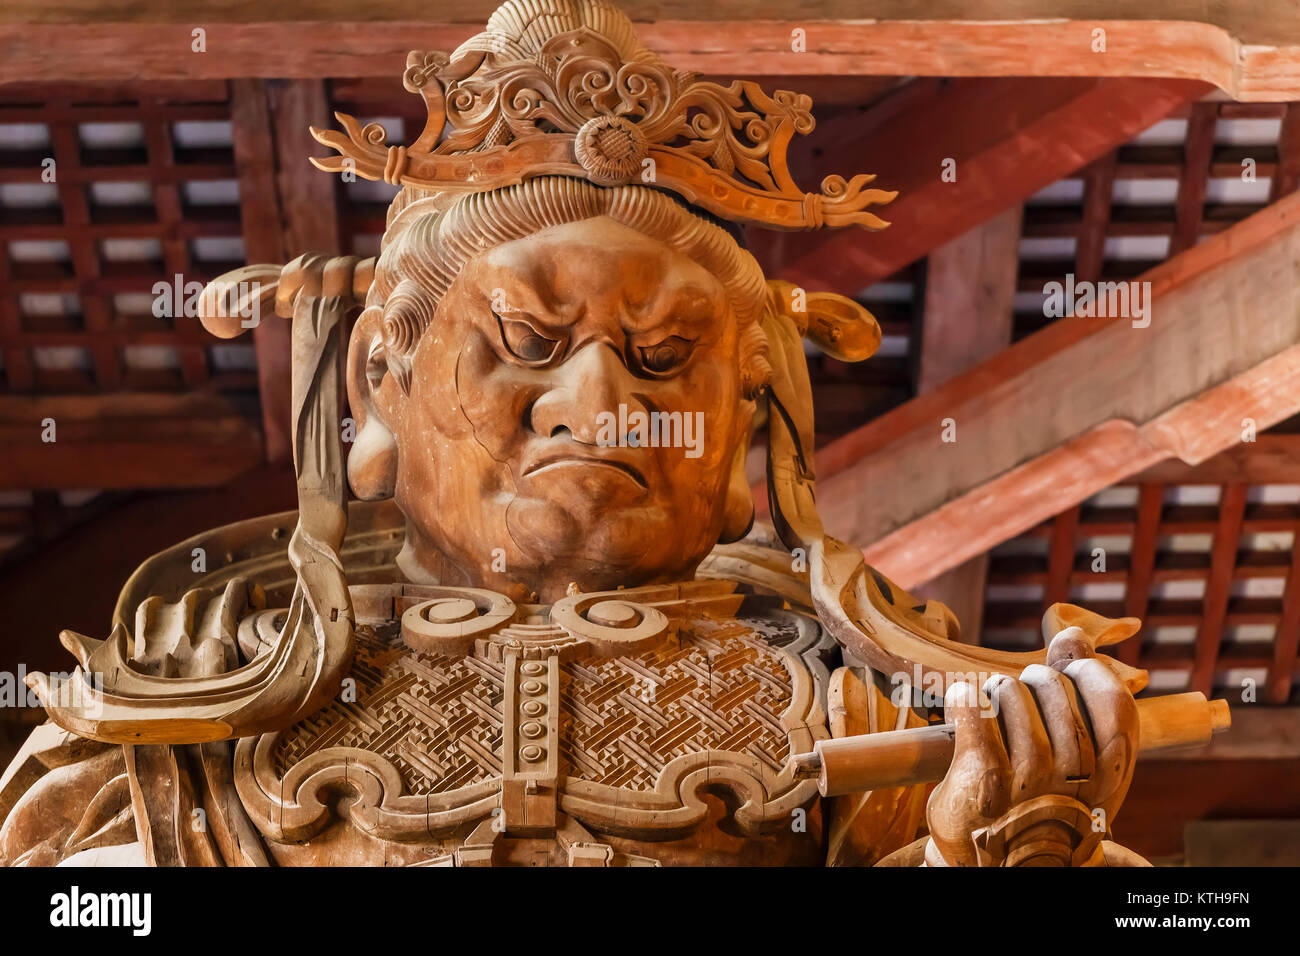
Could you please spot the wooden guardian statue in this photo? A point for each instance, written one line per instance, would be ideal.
(533, 621)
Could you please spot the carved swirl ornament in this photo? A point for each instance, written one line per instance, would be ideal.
(579, 108)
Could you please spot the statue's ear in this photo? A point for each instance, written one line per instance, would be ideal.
(372, 462)
(835, 323)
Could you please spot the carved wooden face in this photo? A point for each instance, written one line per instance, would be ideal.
(574, 414)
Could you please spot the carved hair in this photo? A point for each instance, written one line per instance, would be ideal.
(430, 237)
(520, 28)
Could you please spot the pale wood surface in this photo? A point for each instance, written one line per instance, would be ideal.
(1245, 51)
(970, 286)
(922, 754)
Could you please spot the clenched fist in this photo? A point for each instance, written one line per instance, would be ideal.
(1065, 730)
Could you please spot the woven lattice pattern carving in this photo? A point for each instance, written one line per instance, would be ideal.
(436, 719)
(717, 686)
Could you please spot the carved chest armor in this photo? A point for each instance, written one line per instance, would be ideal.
(542, 743)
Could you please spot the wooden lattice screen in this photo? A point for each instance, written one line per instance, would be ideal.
(1212, 570)
(85, 251)
(1108, 209)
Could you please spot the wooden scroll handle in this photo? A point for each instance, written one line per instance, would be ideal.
(900, 758)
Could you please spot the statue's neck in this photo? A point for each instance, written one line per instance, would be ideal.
(420, 561)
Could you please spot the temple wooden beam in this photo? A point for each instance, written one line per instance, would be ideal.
(101, 553)
(1241, 842)
(1286, 640)
(1259, 732)
(970, 285)
(1269, 459)
(1080, 405)
(1251, 51)
(959, 152)
(124, 440)
(1237, 775)
(263, 232)
(284, 211)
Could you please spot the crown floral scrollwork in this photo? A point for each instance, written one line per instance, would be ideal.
(579, 107)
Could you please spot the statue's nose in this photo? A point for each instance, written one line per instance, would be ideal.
(587, 388)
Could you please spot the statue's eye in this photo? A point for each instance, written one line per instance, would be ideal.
(525, 343)
(664, 357)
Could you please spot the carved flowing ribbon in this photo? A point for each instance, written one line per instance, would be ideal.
(110, 699)
(876, 621)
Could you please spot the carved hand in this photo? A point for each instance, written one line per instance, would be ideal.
(1061, 733)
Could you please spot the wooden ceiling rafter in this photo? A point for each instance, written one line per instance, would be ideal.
(1223, 560)
(1286, 640)
(82, 223)
(970, 285)
(285, 211)
(1142, 563)
(1003, 139)
(125, 440)
(1194, 177)
(1249, 56)
(1142, 555)
(1072, 357)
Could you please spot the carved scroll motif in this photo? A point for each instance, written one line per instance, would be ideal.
(581, 108)
(450, 622)
(454, 621)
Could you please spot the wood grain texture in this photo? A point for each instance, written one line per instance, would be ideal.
(1272, 458)
(1071, 472)
(1218, 587)
(1249, 55)
(1072, 408)
(589, 699)
(261, 213)
(125, 440)
(970, 285)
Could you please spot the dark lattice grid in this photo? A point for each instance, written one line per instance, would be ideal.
(1212, 570)
(144, 190)
(1175, 184)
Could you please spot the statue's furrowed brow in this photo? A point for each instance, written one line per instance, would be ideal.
(684, 306)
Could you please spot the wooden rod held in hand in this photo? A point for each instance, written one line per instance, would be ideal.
(900, 758)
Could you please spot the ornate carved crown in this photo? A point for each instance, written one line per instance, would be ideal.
(573, 93)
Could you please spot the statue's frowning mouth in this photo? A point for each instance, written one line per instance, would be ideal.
(586, 461)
